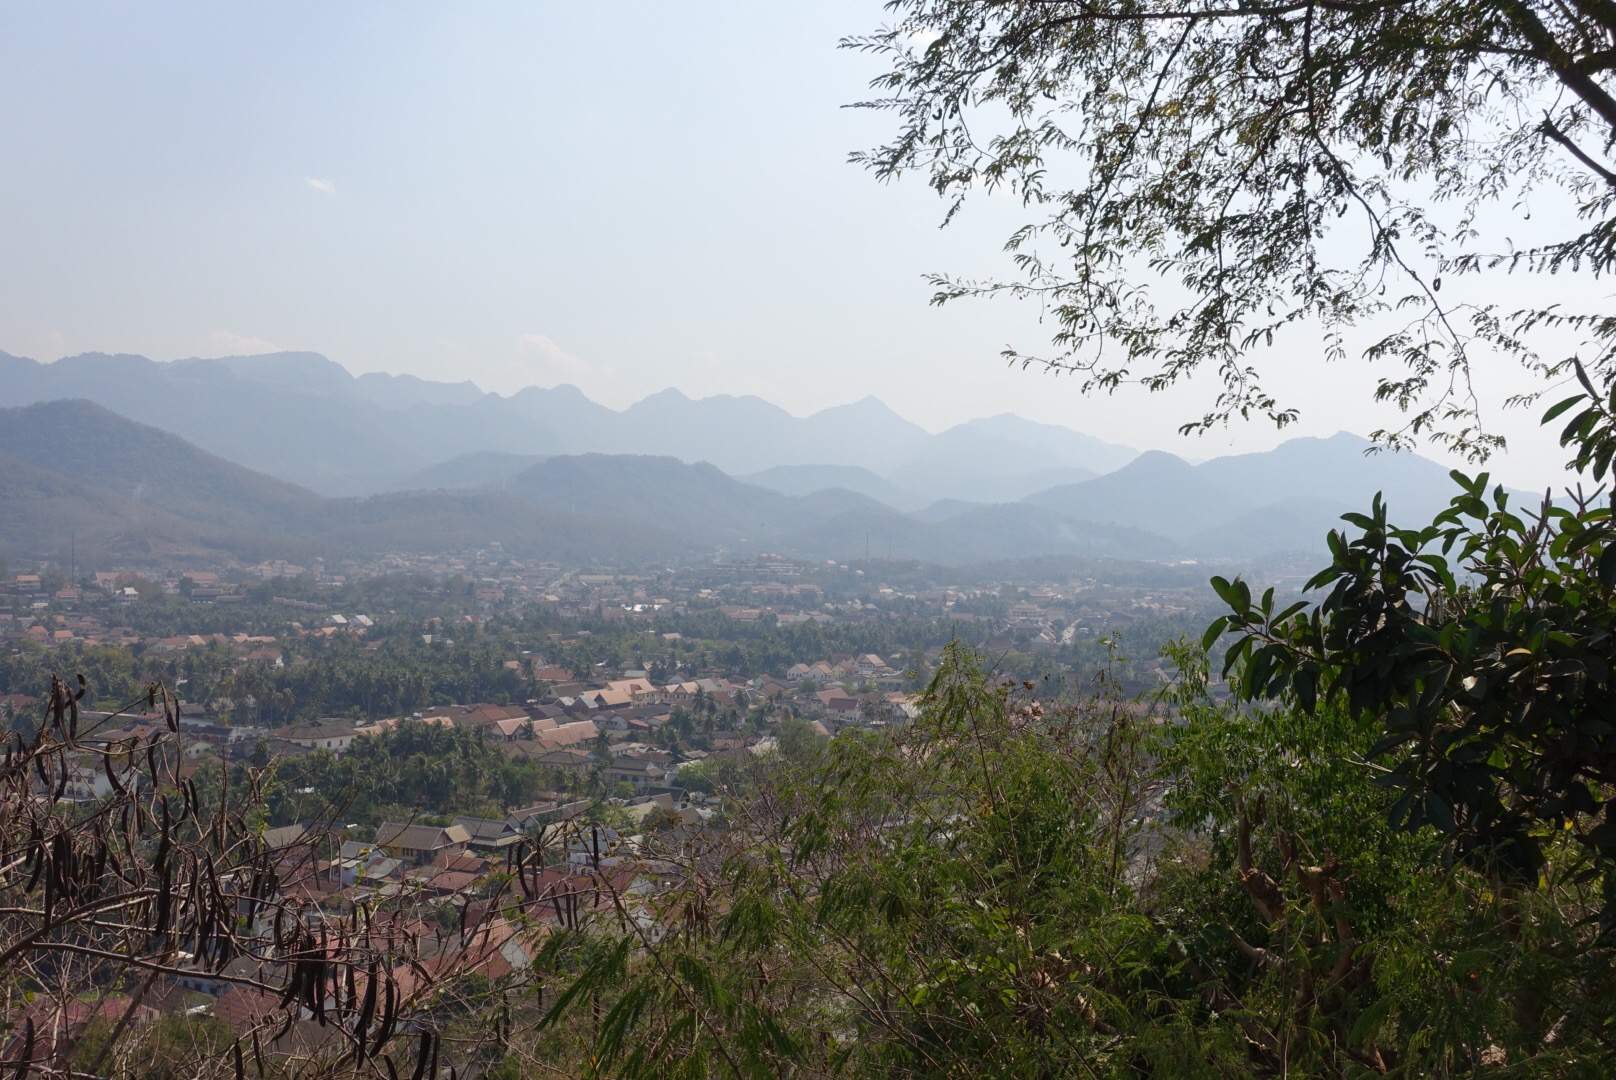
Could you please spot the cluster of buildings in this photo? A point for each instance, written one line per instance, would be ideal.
(429, 906)
(49, 606)
(517, 877)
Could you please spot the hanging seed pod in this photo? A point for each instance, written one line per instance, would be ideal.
(389, 1016)
(25, 1059)
(36, 859)
(165, 839)
(314, 982)
(367, 1012)
(62, 863)
(48, 904)
(112, 775)
(165, 902)
(294, 986)
(168, 761)
(53, 704)
(423, 1054)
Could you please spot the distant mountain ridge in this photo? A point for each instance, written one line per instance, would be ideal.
(1005, 458)
(121, 491)
(304, 418)
(806, 479)
(478, 469)
(71, 471)
(550, 467)
(1284, 499)
(710, 508)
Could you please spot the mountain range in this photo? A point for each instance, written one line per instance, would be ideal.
(1284, 499)
(305, 419)
(75, 474)
(72, 472)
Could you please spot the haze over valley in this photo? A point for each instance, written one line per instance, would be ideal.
(290, 455)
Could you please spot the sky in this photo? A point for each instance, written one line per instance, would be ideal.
(622, 196)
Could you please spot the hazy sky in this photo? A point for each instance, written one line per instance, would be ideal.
(623, 196)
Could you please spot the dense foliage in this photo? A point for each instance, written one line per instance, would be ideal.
(1001, 890)
(414, 772)
(1481, 647)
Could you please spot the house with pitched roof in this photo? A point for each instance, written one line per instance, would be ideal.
(420, 844)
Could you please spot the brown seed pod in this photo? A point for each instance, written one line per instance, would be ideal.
(367, 1012)
(25, 1059)
(112, 775)
(423, 1054)
(389, 1016)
